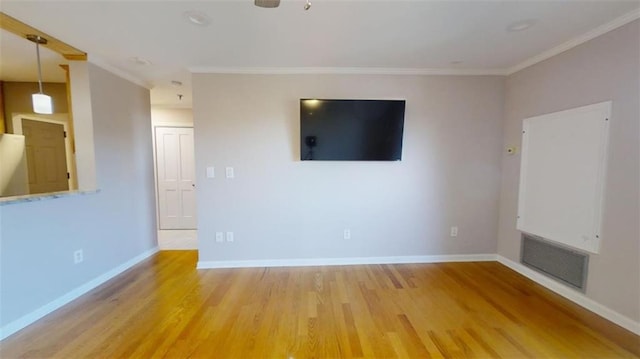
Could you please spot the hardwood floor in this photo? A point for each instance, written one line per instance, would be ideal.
(164, 307)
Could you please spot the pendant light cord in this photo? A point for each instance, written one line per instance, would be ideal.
(39, 69)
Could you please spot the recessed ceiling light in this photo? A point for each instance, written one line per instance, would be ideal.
(197, 17)
(176, 83)
(520, 25)
(140, 61)
(456, 62)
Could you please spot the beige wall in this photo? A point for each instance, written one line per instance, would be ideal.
(282, 208)
(17, 98)
(161, 116)
(605, 68)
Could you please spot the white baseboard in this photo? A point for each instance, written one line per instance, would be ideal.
(27, 319)
(573, 295)
(306, 262)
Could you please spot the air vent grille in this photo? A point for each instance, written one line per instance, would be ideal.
(564, 265)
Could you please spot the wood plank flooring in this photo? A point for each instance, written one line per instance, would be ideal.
(164, 307)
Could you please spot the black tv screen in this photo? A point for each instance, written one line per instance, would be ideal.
(351, 130)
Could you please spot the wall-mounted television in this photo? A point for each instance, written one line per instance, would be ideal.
(351, 130)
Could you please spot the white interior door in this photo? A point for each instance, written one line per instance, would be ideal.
(176, 177)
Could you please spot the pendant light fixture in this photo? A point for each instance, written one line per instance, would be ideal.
(42, 103)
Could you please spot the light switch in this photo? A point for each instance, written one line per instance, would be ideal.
(211, 172)
(229, 172)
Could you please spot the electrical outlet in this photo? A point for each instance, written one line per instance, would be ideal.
(347, 234)
(219, 237)
(78, 256)
(230, 237)
(454, 231)
(211, 172)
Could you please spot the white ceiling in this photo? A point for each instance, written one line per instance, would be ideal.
(393, 34)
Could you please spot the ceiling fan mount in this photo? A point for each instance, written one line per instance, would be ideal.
(270, 4)
(267, 3)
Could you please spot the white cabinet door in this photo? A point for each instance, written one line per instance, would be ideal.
(176, 177)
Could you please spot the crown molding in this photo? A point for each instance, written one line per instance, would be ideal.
(612, 25)
(116, 71)
(343, 71)
(600, 30)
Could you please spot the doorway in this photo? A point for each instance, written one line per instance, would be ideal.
(175, 182)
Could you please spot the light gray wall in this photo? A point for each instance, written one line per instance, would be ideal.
(282, 208)
(118, 223)
(605, 68)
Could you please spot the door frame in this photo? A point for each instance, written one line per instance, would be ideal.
(58, 119)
